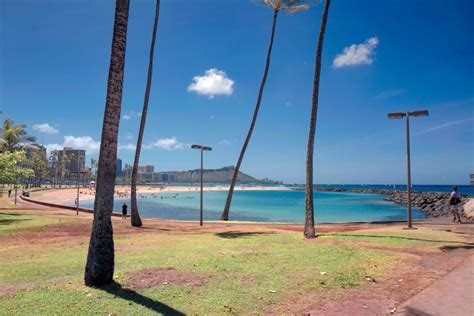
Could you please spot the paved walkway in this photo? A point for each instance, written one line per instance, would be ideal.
(452, 295)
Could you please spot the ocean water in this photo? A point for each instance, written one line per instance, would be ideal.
(269, 206)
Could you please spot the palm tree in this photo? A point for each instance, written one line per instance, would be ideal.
(309, 231)
(54, 163)
(13, 137)
(136, 221)
(93, 166)
(290, 6)
(100, 258)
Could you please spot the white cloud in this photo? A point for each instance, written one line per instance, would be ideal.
(81, 142)
(166, 144)
(129, 135)
(214, 82)
(128, 146)
(130, 115)
(84, 142)
(357, 54)
(45, 128)
(225, 142)
(51, 147)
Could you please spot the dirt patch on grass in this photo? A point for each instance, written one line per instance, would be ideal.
(148, 278)
(12, 289)
(380, 296)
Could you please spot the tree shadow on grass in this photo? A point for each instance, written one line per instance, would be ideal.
(396, 237)
(411, 311)
(9, 221)
(130, 295)
(452, 247)
(233, 235)
(12, 214)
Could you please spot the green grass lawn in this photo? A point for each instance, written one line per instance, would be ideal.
(425, 238)
(241, 272)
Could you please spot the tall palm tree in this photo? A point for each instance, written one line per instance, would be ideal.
(100, 258)
(136, 221)
(13, 137)
(290, 6)
(309, 231)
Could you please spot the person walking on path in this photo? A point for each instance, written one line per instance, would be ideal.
(455, 203)
(124, 211)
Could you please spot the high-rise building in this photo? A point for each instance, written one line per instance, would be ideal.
(118, 168)
(76, 159)
(146, 169)
(127, 171)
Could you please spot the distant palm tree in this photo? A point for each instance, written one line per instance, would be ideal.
(94, 165)
(100, 258)
(54, 163)
(136, 221)
(277, 5)
(13, 137)
(309, 231)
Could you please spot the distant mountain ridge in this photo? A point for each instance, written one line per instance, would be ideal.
(222, 175)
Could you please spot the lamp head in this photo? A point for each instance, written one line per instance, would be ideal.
(396, 115)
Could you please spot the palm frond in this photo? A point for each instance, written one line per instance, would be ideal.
(295, 8)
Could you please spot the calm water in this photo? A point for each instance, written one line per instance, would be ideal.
(269, 206)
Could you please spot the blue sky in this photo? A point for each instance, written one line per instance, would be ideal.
(379, 57)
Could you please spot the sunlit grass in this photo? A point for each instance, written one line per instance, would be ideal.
(244, 272)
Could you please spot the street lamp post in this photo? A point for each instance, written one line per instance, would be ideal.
(399, 115)
(78, 176)
(201, 148)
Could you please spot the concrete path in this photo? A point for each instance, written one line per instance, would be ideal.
(452, 295)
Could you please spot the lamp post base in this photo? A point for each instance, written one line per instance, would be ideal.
(410, 228)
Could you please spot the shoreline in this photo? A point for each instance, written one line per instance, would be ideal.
(432, 204)
(86, 211)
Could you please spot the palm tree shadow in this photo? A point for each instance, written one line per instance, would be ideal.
(396, 237)
(117, 290)
(235, 234)
(9, 221)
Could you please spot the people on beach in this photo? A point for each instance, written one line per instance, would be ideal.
(124, 211)
(455, 203)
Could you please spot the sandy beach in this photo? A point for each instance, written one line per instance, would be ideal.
(63, 196)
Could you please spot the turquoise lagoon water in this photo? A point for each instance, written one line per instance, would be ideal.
(269, 206)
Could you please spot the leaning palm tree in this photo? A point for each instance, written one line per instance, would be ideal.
(13, 137)
(136, 221)
(309, 231)
(100, 258)
(290, 6)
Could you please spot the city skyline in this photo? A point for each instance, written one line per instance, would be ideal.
(205, 87)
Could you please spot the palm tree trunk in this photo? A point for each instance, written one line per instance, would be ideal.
(309, 231)
(100, 258)
(225, 213)
(136, 221)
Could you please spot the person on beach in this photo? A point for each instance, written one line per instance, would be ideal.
(124, 211)
(9, 193)
(455, 201)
